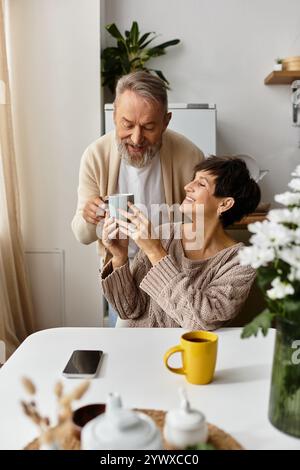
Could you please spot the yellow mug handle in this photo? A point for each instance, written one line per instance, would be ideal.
(174, 349)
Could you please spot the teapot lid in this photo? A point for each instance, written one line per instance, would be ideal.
(119, 428)
(185, 418)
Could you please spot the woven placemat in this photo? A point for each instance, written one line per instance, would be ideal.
(217, 437)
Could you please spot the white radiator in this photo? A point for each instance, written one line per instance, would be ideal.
(47, 280)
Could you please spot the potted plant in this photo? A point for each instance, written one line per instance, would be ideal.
(131, 53)
(278, 65)
(275, 254)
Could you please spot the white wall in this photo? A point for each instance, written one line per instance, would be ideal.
(227, 48)
(55, 66)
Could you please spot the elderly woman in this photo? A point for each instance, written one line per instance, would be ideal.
(193, 282)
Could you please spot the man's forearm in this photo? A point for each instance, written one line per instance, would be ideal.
(85, 233)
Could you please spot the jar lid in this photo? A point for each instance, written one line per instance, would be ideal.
(185, 418)
(190, 421)
(119, 428)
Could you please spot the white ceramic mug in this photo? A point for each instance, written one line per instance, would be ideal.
(119, 201)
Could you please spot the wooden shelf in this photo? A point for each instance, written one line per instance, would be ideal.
(286, 77)
(242, 224)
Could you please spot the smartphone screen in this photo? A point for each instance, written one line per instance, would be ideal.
(83, 363)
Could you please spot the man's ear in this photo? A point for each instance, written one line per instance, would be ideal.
(168, 118)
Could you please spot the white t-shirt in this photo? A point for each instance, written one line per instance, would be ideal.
(147, 186)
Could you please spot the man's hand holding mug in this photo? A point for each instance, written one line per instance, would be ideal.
(94, 210)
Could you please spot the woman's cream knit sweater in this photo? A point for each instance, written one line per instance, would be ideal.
(177, 291)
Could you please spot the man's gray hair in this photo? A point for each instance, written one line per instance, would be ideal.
(146, 85)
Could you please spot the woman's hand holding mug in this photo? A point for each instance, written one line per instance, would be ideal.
(114, 242)
(141, 231)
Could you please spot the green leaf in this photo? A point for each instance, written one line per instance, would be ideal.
(110, 82)
(122, 46)
(159, 50)
(125, 63)
(143, 38)
(262, 322)
(136, 63)
(153, 52)
(148, 42)
(168, 43)
(291, 306)
(160, 75)
(110, 52)
(265, 276)
(202, 446)
(134, 34)
(113, 30)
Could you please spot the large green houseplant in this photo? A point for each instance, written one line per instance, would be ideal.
(131, 53)
(275, 254)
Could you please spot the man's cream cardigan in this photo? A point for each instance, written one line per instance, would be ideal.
(99, 171)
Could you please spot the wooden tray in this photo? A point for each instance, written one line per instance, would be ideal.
(218, 438)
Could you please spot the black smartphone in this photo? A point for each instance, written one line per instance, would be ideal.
(83, 364)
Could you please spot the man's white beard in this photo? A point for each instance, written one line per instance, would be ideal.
(138, 161)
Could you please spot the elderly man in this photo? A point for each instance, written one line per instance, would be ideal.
(141, 156)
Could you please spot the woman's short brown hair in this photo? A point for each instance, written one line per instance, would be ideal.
(232, 179)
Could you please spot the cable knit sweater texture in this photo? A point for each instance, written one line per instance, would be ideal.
(179, 292)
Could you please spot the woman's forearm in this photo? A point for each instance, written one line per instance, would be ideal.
(156, 255)
(118, 262)
(120, 289)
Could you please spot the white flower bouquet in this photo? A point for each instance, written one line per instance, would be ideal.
(275, 254)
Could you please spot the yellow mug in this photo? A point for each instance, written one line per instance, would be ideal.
(199, 354)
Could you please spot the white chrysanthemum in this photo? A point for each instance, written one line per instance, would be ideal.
(296, 172)
(256, 227)
(288, 198)
(269, 234)
(295, 184)
(291, 255)
(297, 236)
(294, 274)
(255, 257)
(288, 216)
(280, 289)
(277, 239)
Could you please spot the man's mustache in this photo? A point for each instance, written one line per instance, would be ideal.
(135, 145)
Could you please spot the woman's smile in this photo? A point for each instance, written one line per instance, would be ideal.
(189, 199)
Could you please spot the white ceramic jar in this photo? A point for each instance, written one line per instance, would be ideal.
(185, 426)
(120, 429)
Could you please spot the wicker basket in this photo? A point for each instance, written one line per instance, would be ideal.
(216, 436)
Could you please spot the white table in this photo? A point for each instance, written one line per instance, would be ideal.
(237, 400)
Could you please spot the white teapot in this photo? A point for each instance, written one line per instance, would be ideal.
(185, 426)
(120, 429)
